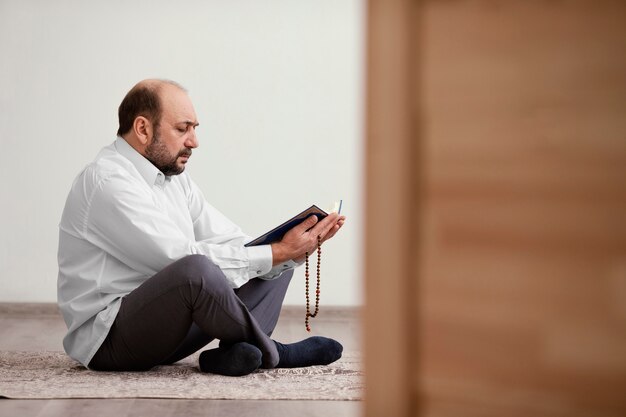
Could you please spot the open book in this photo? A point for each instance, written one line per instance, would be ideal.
(277, 233)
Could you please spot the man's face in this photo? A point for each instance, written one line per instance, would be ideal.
(172, 142)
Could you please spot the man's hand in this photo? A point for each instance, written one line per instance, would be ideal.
(303, 238)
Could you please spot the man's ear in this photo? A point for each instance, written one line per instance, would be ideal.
(143, 129)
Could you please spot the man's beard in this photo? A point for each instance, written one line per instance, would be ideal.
(157, 153)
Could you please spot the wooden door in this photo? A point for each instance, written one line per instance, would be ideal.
(496, 208)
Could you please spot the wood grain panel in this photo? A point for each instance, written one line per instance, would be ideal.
(523, 292)
(390, 202)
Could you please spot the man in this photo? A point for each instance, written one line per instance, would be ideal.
(149, 272)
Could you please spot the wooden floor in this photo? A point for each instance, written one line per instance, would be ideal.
(40, 327)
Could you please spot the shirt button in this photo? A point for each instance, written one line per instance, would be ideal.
(258, 272)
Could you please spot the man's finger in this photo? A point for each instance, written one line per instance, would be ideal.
(325, 225)
(307, 224)
(333, 231)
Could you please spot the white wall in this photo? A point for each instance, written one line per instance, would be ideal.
(277, 86)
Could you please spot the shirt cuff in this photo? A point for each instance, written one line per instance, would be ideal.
(259, 260)
(279, 269)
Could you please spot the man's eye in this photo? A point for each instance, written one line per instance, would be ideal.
(181, 129)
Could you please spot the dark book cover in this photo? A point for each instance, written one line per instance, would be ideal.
(277, 233)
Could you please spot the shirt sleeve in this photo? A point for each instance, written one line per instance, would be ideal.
(209, 222)
(279, 269)
(124, 220)
(211, 226)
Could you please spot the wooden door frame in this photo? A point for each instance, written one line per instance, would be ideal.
(392, 212)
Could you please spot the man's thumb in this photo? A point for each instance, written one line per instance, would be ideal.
(308, 223)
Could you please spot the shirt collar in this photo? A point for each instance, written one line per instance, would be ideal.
(149, 172)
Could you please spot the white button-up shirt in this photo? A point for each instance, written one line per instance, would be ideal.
(123, 222)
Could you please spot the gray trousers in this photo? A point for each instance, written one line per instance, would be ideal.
(183, 308)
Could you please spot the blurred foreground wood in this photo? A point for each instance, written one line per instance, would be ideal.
(516, 115)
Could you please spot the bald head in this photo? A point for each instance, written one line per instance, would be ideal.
(145, 100)
(158, 120)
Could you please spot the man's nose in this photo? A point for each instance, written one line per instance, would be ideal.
(192, 140)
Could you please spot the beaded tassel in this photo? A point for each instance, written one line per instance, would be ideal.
(306, 285)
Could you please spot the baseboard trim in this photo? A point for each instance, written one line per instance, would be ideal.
(29, 309)
(52, 309)
(325, 312)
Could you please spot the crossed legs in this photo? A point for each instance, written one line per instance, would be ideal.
(182, 308)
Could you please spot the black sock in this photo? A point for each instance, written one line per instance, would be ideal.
(315, 350)
(234, 360)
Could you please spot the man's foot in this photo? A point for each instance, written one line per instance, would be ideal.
(315, 350)
(234, 360)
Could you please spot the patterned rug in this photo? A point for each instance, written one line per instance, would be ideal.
(54, 375)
